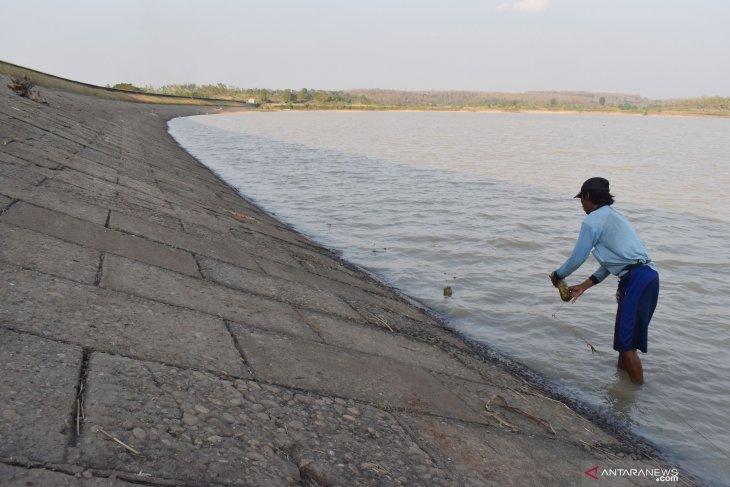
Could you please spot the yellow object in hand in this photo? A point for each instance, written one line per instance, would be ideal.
(564, 290)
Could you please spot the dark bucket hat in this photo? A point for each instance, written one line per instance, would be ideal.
(593, 185)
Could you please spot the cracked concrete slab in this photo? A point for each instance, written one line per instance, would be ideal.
(185, 427)
(117, 201)
(104, 320)
(37, 153)
(38, 381)
(91, 168)
(55, 201)
(107, 189)
(100, 238)
(10, 164)
(333, 370)
(428, 330)
(40, 252)
(339, 332)
(36, 476)
(527, 411)
(168, 287)
(4, 202)
(14, 129)
(198, 428)
(343, 284)
(494, 457)
(20, 173)
(295, 293)
(212, 245)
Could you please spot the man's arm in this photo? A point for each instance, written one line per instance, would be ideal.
(577, 291)
(600, 274)
(581, 251)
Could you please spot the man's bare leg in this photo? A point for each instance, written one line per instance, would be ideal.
(632, 364)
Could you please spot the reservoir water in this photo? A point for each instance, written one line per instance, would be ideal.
(482, 202)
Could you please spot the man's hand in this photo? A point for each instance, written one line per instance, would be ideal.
(577, 291)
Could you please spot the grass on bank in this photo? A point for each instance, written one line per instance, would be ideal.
(44, 80)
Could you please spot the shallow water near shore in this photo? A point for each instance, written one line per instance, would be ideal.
(482, 202)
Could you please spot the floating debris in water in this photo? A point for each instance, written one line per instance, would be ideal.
(448, 291)
(593, 349)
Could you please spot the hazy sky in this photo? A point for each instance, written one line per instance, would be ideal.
(655, 48)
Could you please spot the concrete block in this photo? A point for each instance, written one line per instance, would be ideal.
(197, 428)
(215, 245)
(43, 156)
(494, 457)
(373, 379)
(183, 424)
(13, 163)
(343, 285)
(103, 195)
(92, 169)
(63, 134)
(191, 194)
(527, 411)
(141, 186)
(38, 382)
(4, 202)
(377, 315)
(108, 189)
(63, 143)
(104, 320)
(299, 294)
(24, 477)
(59, 202)
(345, 334)
(155, 213)
(168, 287)
(50, 255)
(22, 172)
(14, 129)
(99, 238)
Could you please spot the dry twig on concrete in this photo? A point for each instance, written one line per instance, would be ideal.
(117, 440)
(503, 404)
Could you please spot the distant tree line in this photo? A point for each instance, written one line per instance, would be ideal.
(396, 99)
(478, 99)
(712, 105)
(258, 95)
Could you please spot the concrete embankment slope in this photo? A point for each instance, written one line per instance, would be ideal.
(157, 329)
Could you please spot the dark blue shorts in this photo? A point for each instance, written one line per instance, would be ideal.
(638, 292)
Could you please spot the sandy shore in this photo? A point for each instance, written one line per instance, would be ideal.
(158, 329)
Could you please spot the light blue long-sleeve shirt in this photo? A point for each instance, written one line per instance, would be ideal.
(614, 242)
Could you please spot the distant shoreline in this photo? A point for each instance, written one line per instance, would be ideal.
(389, 101)
(473, 110)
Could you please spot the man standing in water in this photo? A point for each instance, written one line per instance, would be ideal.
(619, 251)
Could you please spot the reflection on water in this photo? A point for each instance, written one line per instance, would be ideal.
(482, 203)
